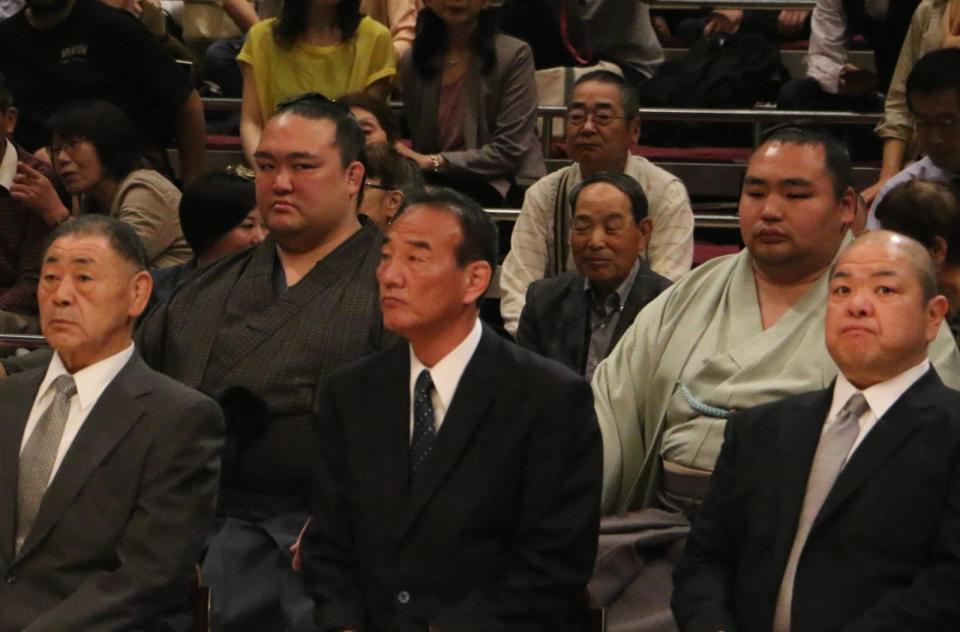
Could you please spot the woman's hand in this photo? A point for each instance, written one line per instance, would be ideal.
(425, 162)
(35, 191)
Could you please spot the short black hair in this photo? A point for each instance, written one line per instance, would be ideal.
(121, 236)
(349, 137)
(836, 157)
(377, 107)
(6, 94)
(924, 210)
(394, 170)
(628, 94)
(212, 206)
(115, 137)
(479, 232)
(624, 183)
(936, 71)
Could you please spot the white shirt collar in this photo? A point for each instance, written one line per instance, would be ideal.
(8, 166)
(92, 380)
(880, 396)
(447, 372)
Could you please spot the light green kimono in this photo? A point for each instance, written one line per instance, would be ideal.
(705, 333)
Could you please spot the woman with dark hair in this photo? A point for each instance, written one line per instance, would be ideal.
(930, 213)
(96, 154)
(470, 103)
(219, 216)
(323, 46)
(374, 116)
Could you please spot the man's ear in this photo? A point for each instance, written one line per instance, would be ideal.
(936, 312)
(646, 229)
(635, 130)
(939, 251)
(141, 286)
(479, 275)
(355, 173)
(848, 208)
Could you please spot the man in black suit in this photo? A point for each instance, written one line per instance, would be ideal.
(458, 481)
(840, 509)
(578, 317)
(108, 470)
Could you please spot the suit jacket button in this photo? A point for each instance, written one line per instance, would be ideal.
(11, 579)
(403, 597)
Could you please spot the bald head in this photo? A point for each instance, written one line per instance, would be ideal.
(883, 307)
(898, 245)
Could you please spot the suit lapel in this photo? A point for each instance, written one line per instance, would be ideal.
(15, 405)
(899, 422)
(466, 412)
(797, 444)
(572, 325)
(391, 409)
(117, 410)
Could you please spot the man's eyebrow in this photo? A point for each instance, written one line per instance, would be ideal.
(748, 179)
(81, 259)
(420, 244)
(839, 274)
(885, 273)
(796, 182)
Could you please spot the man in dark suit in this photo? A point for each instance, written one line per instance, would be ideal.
(458, 481)
(108, 470)
(578, 317)
(840, 509)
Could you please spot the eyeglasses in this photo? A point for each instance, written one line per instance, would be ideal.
(370, 185)
(600, 119)
(944, 124)
(71, 147)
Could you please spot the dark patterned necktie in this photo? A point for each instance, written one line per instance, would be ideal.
(423, 425)
(39, 453)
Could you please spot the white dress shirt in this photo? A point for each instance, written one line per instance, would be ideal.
(90, 382)
(8, 166)
(445, 374)
(880, 397)
(828, 40)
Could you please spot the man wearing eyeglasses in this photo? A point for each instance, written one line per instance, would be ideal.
(933, 96)
(601, 126)
(737, 332)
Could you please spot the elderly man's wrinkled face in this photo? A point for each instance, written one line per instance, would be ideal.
(790, 218)
(89, 297)
(423, 289)
(599, 135)
(878, 323)
(604, 237)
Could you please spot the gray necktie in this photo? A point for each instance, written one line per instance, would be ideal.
(36, 460)
(831, 456)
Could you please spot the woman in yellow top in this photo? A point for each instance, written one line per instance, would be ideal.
(323, 46)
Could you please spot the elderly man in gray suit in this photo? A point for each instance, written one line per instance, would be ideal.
(108, 470)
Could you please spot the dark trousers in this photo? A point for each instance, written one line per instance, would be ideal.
(220, 66)
(807, 94)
